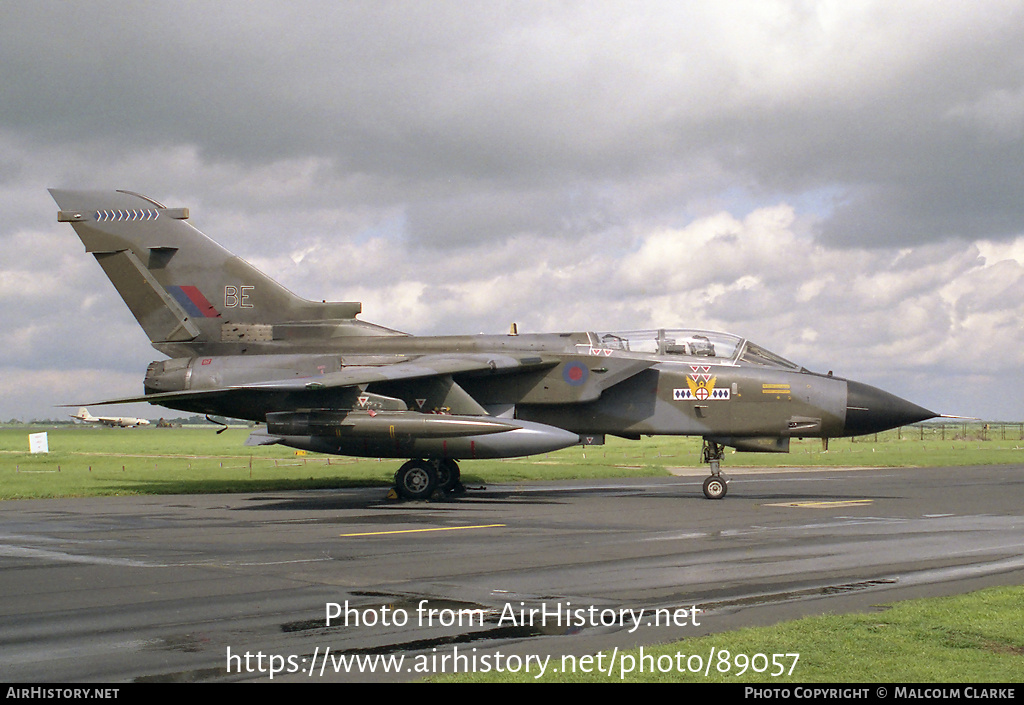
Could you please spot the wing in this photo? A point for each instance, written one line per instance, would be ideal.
(420, 368)
(425, 367)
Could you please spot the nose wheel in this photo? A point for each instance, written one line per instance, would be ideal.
(716, 486)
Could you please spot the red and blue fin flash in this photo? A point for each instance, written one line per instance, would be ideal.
(193, 301)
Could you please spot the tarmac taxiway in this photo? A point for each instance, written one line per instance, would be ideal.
(169, 588)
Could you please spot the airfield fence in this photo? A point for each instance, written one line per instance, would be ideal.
(958, 431)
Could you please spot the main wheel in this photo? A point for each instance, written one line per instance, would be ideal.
(448, 475)
(715, 487)
(416, 480)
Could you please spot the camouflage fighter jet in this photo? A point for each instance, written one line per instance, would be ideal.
(241, 345)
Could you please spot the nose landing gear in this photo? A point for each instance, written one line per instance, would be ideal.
(716, 486)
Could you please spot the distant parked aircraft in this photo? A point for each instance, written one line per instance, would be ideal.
(122, 421)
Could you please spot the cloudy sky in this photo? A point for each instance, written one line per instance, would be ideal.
(841, 181)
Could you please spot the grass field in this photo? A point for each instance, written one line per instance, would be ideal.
(970, 638)
(976, 638)
(91, 461)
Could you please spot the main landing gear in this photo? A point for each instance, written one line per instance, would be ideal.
(420, 479)
(715, 486)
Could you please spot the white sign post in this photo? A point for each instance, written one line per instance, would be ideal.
(37, 443)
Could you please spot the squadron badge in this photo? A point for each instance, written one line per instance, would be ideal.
(701, 385)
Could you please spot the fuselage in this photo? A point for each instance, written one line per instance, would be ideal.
(659, 382)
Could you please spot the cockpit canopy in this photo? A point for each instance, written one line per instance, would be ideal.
(698, 345)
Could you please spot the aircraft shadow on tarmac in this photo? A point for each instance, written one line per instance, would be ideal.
(375, 498)
(333, 500)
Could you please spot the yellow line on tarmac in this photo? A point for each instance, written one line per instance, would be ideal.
(418, 531)
(824, 505)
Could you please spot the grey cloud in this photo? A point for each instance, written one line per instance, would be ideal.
(459, 165)
(506, 97)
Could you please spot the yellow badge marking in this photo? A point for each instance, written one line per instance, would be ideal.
(420, 531)
(701, 388)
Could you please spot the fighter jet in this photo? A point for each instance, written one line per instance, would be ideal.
(241, 345)
(119, 421)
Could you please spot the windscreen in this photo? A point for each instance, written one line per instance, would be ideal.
(756, 355)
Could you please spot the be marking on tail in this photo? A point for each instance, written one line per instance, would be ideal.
(237, 296)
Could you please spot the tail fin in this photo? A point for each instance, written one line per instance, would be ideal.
(186, 291)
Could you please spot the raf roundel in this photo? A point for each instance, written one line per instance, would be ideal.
(575, 373)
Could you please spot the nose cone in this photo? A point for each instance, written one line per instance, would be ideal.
(870, 410)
